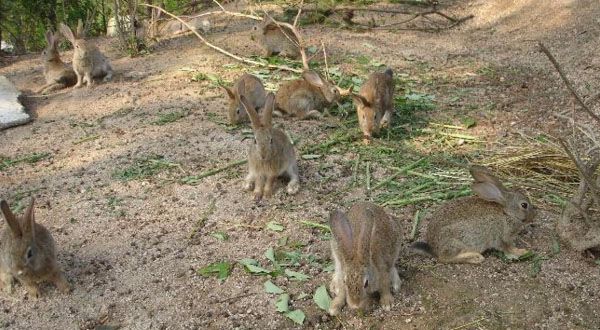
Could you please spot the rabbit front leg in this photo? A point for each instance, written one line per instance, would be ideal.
(109, 73)
(294, 184)
(386, 300)
(79, 79)
(386, 121)
(395, 279)
(509, 248)
(60, 282)
(268, 191)
(6, 282)
(88, 79)
(249, 185)
(31, 287)
(259, 185)
(338, 302)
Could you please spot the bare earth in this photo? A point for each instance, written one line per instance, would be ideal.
(126, 247)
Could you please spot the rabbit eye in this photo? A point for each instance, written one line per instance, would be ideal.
(271, 141)
(29, 253)
(254, 140)
(366, 284)
(524, 205)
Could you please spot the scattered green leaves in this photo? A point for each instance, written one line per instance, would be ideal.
(220, 269)
(252, 267)
(321, 298)
(275, 226)
(272, 288)
(282, 303)
(33, 158)
(220, 235)
(144, 168)
(316, 225)
(296, 276)
(170, 117)
(296, 315)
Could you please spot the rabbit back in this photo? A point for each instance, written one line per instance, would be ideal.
(470, 223)
(298, 96)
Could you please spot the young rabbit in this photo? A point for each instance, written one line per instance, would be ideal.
(271, 155)
(58, 74)
(304, 97)
(365, 247)
(158, 28)
(375, 103)
(254, 91)
(464, 228)
(27, 253)
(88, 61)
(276, 38)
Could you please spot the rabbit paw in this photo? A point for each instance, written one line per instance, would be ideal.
(33, 290)
(386, 301)
(516, 251)
(293, 187)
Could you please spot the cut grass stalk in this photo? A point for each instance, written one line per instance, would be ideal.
(447, 126)
(87, 138)
(399, 172)
(355, 170)
(431, 197)
(200, 223)
(194, 179)
(415, 225)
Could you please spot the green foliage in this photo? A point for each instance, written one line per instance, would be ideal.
(30, 159)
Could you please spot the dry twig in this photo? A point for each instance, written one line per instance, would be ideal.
(567, 82)
(223, 51)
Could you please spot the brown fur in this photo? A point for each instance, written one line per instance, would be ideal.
(375, 103)
(276, 39)
(24, 236)
(88, 61)
(365, 247)
(58, 74)
(254, 91)
(305, 97)
(462, 229)
(271, 155)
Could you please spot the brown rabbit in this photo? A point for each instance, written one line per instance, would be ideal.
(375, 103)
(58, 74)
(27, 253)
(276, 38)
(462, 229)
(88, 61)
(365, 247)
(271, 155)
(304, 97)
(254, 91)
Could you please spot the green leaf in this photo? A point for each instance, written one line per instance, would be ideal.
(312, 49)
(597, 262)
(251, 266)
(297, 316)
(310, 156)
(220, 269)
(282, 241)
(221, 236)
(272, 288)
(469, 122)
(270, 254)
(329, 268)
(301, 296)
(320, 226)
(282, 303)
(296, 276)
(275, 226)
(321, 298)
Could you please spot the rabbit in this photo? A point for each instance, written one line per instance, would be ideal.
(276, 38)
(58, 74)
(157, 27)
(464, 228)
(365, 246)
(27, 253)
(304, 97)
(375, 103)
(271, 155)
(88, 61)
(254, 91)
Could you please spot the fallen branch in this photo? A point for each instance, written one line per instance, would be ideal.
(567, 82)
(584, 172)
(223, 51)
(297, 35)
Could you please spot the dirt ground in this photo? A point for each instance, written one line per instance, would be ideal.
(131, 248)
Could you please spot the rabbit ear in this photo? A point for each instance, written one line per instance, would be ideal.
(49, 37)
(66, 31)
(359, 99)
(80, 30)
(313, 78)
(29, 219)
(254, 119)
(230, 92)
(363, 244)
(268, 109)
(10, 219)
(487, 186)
(342, 232)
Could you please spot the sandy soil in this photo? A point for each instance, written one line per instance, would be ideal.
(126, 246)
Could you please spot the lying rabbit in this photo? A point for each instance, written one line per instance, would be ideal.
(304, 97)
(276, 38)
(27, 253)
(365, 247)
(58, 74)
(375, 103)
(253, 90)
(271, 155)
(464, 228)
(164, 28)
(88, 61)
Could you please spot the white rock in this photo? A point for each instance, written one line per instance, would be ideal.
(12, 112)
